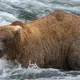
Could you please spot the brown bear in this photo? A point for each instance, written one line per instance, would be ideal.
(52, 41)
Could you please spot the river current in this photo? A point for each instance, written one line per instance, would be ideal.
(29, 10)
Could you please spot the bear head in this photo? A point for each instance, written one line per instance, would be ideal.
(9, 40)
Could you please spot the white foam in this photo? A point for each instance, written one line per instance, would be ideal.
(6, 18)
(3, 63)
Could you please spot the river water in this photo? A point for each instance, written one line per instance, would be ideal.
(29, 10)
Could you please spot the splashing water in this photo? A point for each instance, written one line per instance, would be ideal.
(13, 71)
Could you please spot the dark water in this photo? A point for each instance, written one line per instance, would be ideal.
(29, 10)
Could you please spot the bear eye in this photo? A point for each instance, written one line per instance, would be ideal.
(4, 41)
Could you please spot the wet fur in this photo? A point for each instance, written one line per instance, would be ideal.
(52, 41)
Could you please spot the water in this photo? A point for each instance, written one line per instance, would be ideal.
(29, 10)
(14, 71)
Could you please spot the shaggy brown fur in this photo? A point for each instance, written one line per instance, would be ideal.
(52, 41)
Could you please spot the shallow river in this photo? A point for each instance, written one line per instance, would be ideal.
(29, 10)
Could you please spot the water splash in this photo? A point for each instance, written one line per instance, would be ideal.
(32, 65)
(13, 71)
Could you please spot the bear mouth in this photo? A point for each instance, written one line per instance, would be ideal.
(1, 54)
(1, 51)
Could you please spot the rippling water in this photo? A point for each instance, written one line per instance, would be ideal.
(29, 10)
(14, 71)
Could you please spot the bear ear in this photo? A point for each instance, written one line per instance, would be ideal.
(17, 28)
(20, 23)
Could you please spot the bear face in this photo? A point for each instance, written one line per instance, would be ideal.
(8, 40)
